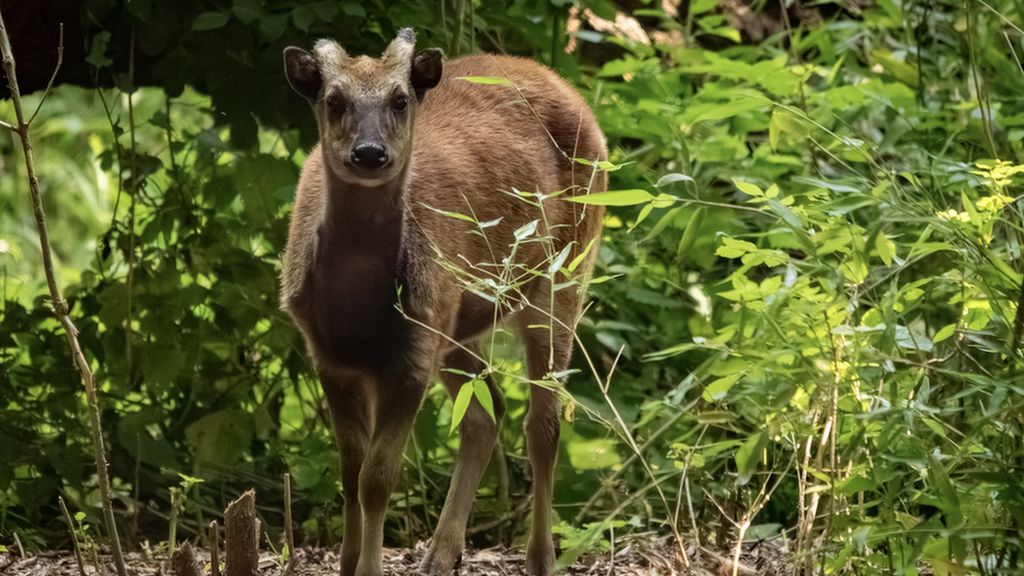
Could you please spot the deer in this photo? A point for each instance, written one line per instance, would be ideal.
(374, 270)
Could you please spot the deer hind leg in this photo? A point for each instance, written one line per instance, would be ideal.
(348, 401)
(546, 328)
(478, 433)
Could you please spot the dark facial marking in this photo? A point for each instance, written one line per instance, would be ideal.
(336, 103)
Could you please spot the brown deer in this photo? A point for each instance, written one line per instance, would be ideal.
(378, 273)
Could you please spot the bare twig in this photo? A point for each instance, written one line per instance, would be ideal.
(289, 536)
(74, 536)
(7, 126)
(60, 306)
(56, 69)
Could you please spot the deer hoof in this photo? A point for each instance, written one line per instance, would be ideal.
(439, 563)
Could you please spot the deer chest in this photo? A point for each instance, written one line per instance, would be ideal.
(352, 318)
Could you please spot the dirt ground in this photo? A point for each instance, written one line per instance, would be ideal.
(635, 556)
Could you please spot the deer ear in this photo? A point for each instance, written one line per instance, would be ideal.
(302, 71)
(426, 70)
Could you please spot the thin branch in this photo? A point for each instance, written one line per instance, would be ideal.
(60, 306)
(49, 85)
(8, 126)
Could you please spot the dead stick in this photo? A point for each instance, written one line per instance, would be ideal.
(60, 306)
(289, 536)
(74, 537)
(242, 536)
(214, 549)
(183, 561)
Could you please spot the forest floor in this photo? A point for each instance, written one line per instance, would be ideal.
(633, 557)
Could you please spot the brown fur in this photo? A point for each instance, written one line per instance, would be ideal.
(354, 246)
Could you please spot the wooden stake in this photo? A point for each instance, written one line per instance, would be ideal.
(242, 536)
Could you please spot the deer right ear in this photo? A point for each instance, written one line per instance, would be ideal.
(302, 71)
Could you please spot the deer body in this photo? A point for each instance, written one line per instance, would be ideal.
(376, 269)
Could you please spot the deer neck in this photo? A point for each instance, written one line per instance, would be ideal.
(363, 216)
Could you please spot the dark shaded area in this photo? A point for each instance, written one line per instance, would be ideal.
(230, 50)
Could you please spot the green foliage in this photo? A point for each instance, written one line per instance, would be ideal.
(807, 294)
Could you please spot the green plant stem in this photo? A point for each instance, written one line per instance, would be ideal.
(60, 306)
(172, 533)
(74, 537)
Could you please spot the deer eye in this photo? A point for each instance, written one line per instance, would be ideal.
(401, 103)
(335, 103)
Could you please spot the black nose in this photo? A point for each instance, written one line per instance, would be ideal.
(369, 155)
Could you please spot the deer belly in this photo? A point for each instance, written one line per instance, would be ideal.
(355, 322)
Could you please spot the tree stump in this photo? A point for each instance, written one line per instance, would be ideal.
(183, 561)
(242, 536)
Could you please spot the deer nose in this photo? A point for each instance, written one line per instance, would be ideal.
(369, 155)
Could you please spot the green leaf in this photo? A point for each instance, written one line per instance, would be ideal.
(594, 454)
(886, 248)
(98, 50)
(581, 256)
(210, 21)
(855, 484)
(749, 454)
(220, 437)
(787, 215)
(482, 393)
(450, 214)
(718, 389)
(462, 400)
(630, 197)
(247, 11)
(490, 80)
(748, 188)
(733, 248)
(559, 259)
(526, 230)
(944, 333)
(689, 237)
(672, 179)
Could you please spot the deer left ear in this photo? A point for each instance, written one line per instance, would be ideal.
(426, 71)
(303, 74)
